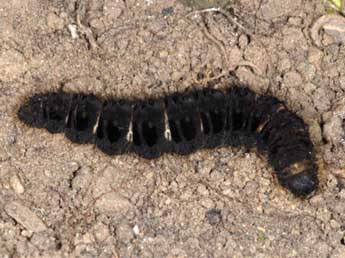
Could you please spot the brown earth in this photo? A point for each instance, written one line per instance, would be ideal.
(58, 199)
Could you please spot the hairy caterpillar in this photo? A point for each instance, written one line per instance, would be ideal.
(182, 123)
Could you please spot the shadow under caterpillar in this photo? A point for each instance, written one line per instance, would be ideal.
(182, 123)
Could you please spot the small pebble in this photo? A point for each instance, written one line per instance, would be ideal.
(315, 56)
(342, 194)
(136, 230)
(43, 241)
(243, 41)
(101, 232)
(334, 224)
(73, 30)
(113, 203)
(26, 233)
(213, 216)
(332, 181)
(16, 184)
(168, 11)
(295, 21)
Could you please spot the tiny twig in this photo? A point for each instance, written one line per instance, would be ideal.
(84, 29)
(241, 27)
(227, 16)
(115, 255)
(217, 42)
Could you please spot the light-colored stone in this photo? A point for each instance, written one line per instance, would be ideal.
(16, 184)
(136, 230)
(73, 30)
(315, 56)
(83, 179)
(25, 217)
(113, 203)
(243, 41)
(203, 190)
(44, 241)
(102, 184)
(101, 232)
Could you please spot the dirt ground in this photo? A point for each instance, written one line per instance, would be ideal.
(58, 199)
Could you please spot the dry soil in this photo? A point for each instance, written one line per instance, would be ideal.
(58, 199)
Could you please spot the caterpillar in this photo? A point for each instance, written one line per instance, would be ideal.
(182, 123)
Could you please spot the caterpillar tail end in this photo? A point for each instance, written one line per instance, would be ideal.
(303, 183)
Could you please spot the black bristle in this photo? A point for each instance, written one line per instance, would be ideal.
(148, 129)
(113, 127)
(242, 103)
(184, 122)
(83, 114)
(212, 107)
(55, 111)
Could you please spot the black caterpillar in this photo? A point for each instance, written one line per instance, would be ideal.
(182, 123)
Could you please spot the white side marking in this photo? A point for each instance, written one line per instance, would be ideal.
(94, 130)
(129, 136)
(167, 132)
(201, 124)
